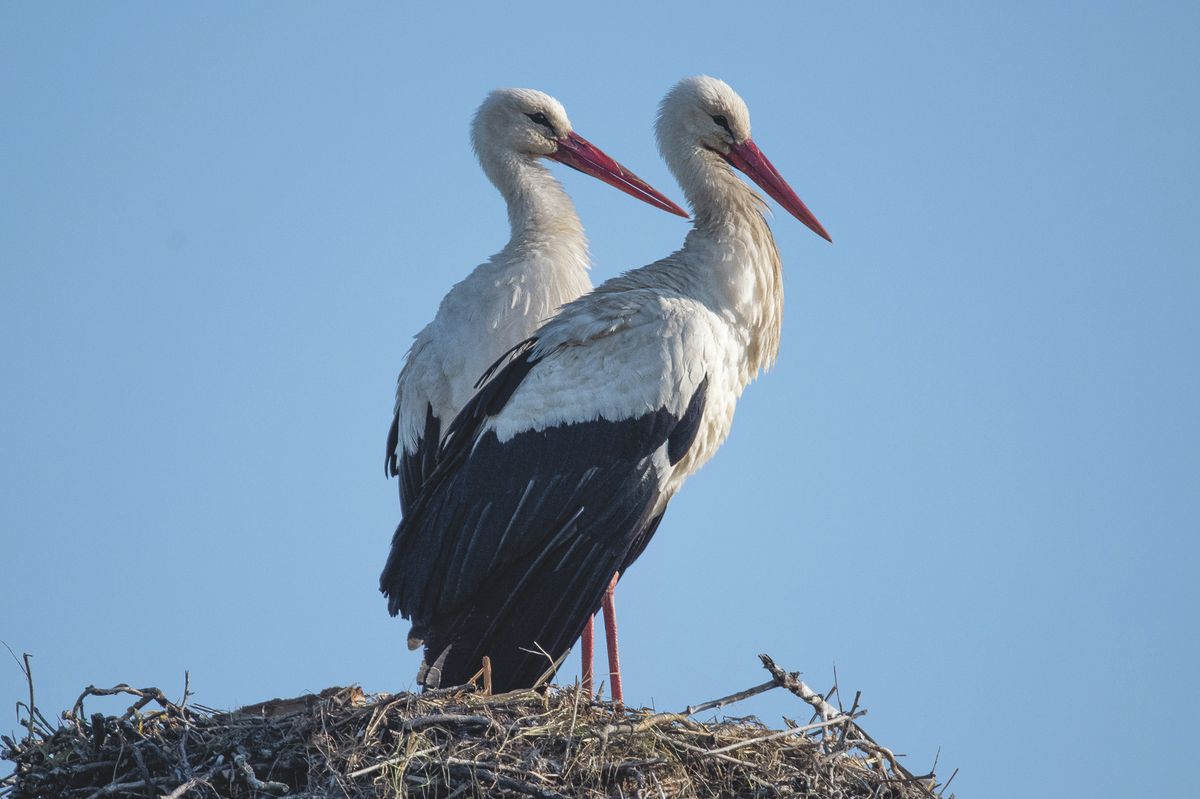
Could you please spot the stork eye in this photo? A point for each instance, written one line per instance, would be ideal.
(541, 119)
(723, 122)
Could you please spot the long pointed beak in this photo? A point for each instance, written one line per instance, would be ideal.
(749, 159)
(579, 153)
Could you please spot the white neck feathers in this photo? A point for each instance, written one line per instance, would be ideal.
(538, 206)
(731, 255)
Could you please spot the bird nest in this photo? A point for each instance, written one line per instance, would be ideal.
(454, 742)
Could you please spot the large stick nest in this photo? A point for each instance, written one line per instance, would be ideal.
(457, 742)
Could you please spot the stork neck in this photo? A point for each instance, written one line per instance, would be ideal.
(719, 198)
(538, 206)
(733, 257)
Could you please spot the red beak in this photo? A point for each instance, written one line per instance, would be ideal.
(579, 153)
(749, 159)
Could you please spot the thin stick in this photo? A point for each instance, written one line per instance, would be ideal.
(574, 716)
(783, 734)
(947, 785)
(145, 697)
(115, 787)
(255, 783)
(705, 752)
(187, 685)
(587, 655)
(391, 761)
(182, 789)
(509, 783)
(713, 704)
(648, 723)
(793, 683)
(450, 718)
(32, 705)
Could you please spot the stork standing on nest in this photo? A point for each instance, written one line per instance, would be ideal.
(502, 301)
(556, 474)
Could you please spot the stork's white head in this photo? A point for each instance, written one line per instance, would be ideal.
(523, 121)
(703, 128)
(701, 112)
(515, 124)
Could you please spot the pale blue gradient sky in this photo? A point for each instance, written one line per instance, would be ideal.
(971, 481)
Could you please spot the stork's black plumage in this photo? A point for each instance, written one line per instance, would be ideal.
(412, 467)
(510, 546)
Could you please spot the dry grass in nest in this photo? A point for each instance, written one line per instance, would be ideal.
(456, 742)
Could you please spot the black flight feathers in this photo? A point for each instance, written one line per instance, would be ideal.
(413, 467)
(509, 546)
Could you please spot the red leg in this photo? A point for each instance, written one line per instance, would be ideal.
(610, 630)
(587, 647)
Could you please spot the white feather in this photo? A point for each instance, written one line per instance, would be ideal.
(504, 299)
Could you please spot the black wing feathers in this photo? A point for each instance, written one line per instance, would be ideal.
(529, 574)
(509, 546)
(410, 560)
(416, 466)
(413, 468)
(681, 438)
(391, 463)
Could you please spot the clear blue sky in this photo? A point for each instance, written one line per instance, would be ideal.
(972, 481)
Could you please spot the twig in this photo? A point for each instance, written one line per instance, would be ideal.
(700, 751)
(391, 761)
(115, 787)
(254, 782)
(783, 734)
(181, 790)
(713, 704)
(438, 693)
(380, 715)
(141, 765)
(953, 774)
(187, 685)
(642, 725)
(450, 718)
(793, 683)
(145, 697)
(853, 712)
(502, 700)
(32, 704)
(502, 781)
(574, 716)
(46, 725)
(194, 781)
(34, 714)
(27, 670)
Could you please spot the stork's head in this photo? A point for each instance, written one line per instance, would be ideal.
(523, 121)
(704, 125)
(526, 123)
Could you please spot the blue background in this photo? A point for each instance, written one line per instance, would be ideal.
(970, 482)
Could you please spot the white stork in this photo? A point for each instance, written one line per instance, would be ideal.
(557, 472)
(502, 301)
